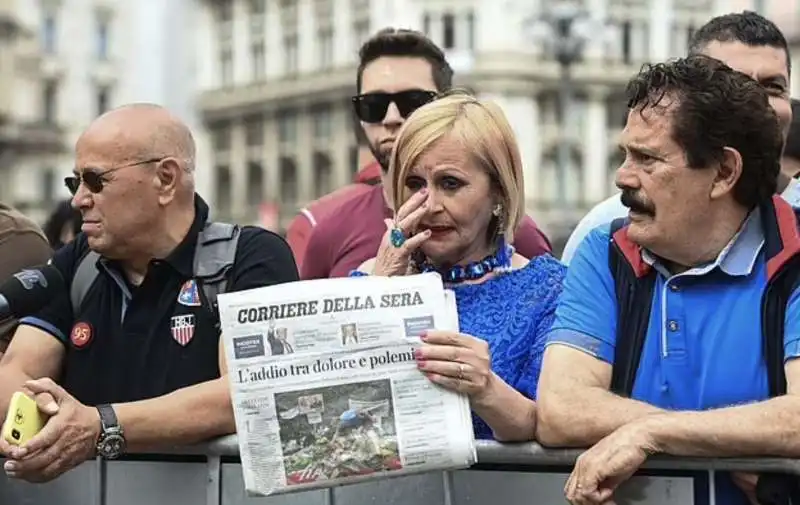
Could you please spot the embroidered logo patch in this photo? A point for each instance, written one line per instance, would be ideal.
(182, 328)
(81, 334)
(189, 295)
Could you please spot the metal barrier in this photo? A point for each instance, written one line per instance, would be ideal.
(509, 474)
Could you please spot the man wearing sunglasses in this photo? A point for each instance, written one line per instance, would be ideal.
(138, 355)
(399, 71)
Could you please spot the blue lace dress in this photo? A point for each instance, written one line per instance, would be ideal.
(513, 313)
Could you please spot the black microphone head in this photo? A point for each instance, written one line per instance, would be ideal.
(29, 290)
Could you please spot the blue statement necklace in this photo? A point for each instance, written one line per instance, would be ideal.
(499, 261)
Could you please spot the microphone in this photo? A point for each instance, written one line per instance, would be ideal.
(29, 290)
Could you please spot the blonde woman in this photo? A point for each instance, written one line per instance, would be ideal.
(456, 184)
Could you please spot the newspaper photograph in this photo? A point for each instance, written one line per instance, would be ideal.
(345, 437)
(325, 386)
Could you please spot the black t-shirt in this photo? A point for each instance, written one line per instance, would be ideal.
(132, 343)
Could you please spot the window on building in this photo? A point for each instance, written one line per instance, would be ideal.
(290, 54)
(257, 15)
(102, 99)
(259, 60)
(258, 6)
(224, 10)
(361, 31)
(627, 29)
(221, 136)
(102, 38)
(323, 122)
(254, 130)
(288, 180)
(49, 33)
(48, 178)
(353, 160)
(255, 183)
(471, 30)
(448, 31)
(325, 39)
(223, 188)
(50, 102)
(323, 176)
(226, 66)
(287, 127)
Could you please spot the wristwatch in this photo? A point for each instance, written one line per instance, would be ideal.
(111, 443)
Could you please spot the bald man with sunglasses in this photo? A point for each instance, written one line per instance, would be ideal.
(138, 354)
(399, 72)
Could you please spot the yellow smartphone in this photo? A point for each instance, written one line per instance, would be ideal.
(23, 420)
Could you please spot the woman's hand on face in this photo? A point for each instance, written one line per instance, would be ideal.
(457, 362)
(394, 260)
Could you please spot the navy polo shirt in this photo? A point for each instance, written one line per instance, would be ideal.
(127, 343)
(703, 348)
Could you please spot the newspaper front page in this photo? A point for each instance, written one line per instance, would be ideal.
(325, 387)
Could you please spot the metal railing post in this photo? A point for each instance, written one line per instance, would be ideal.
(99, 482)
(447, 486)
(214, 482)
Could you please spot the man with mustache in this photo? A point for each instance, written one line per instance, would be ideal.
(708, 235)
(399, 71)
(746, 42)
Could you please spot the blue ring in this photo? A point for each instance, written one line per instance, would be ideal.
(397, 237)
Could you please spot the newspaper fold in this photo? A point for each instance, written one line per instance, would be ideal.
(325, 386)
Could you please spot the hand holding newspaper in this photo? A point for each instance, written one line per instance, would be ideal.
(325, 386)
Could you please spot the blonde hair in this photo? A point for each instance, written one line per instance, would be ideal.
(482, 128)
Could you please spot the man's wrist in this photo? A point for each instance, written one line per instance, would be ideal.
(655, 429)
(111, 439)
(97, 424)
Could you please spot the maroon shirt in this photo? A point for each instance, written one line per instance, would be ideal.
(351, 233)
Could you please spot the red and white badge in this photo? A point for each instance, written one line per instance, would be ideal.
(81, 334)
(182, 328)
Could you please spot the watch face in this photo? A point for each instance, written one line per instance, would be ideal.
(111, 446)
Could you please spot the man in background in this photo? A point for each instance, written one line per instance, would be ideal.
(22, 245)
(790, 162)
(63, 225)
(399, 71)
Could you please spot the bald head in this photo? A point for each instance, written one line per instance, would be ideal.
(142, 131)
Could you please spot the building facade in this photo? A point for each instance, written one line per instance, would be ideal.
(276, 78)
(68, 62)
(62, 71)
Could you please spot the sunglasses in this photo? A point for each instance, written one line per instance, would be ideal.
(372, 107)
(95, 180)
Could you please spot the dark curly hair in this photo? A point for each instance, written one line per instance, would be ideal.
(747, 27)
(717, 107)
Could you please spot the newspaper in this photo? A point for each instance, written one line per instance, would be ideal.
(325, 387)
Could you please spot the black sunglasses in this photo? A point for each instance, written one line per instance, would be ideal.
(372, 107)
(95, 180)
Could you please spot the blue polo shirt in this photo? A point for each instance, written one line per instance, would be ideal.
(703, 347)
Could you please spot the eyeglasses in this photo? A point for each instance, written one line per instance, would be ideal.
(372, 107)
(95, 180)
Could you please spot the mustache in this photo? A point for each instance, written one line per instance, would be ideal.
(634, 202)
